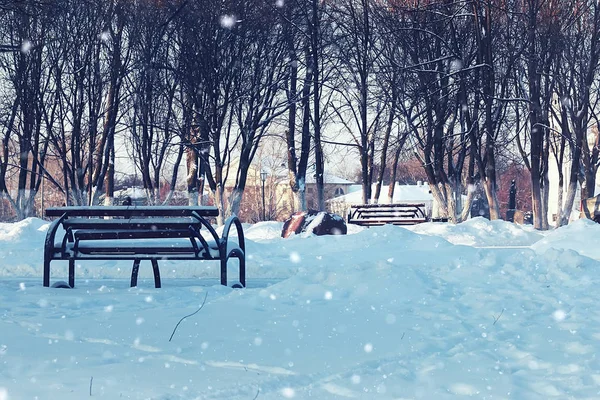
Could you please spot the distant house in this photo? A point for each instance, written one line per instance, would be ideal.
(333, 186)
(418, 193)
(278, 195)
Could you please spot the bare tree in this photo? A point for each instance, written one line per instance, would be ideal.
(152, 90)
(72, 118)
(258, 84)
(541, 25)
(575, 72)
(306, 34)
(25, 27)
(438, 43)
(104, 152)
(358, 106)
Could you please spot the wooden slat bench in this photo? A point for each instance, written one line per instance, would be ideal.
(381, 214)
(141, 233)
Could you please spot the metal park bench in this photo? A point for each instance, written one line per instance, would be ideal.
(381, 214)
(140, 233)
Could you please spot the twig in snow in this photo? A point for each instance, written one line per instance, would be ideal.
(257, 393)
(402, 335)
(496, 319)
(91, 381)
(181, 320)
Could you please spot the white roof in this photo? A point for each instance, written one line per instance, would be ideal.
(402, 193)
(328, 178)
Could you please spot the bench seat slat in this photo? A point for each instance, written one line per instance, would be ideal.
(383, 222)
(130, 234)
(134, 223)
(384, 209)
(139, 246)
(394, 205)
(387, 214)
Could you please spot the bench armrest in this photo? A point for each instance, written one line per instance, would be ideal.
(238, 252)
(233, 221)
(49, 247)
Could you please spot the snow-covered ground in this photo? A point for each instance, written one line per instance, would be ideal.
(486, 310)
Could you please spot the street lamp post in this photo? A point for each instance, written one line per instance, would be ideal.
(263, 178)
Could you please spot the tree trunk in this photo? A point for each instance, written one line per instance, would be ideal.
(319, 163)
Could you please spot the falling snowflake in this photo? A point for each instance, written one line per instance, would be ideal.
(26, 46)
(228, 21)
(105, 36)
(456, 65)
(288, 393)
(559, 315)
(295, 257)
(328, 295)
(279, 3)
(368, 348)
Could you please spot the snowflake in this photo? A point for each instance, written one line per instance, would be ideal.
(26, 46)
(228, 21)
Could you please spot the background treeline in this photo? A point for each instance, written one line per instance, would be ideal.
(463, 86)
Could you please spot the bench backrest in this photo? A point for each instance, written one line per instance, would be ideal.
(381, 214)
(132, 211)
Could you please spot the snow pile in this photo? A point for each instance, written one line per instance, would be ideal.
(26, 230)
(482, 232)
(581, 235)
(22, 247)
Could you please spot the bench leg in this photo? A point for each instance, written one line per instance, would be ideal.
(243, 270)
(46, 272)
(156, 273)
(72, 273)
(136, 269)
(134, 272)
(224, 271)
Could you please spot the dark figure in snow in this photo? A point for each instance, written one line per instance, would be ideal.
(512, 202)
(127, 201)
